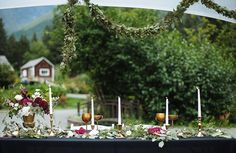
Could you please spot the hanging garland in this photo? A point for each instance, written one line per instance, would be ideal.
(219, 9)
(70, 38)
(69, 48)
(155, 29)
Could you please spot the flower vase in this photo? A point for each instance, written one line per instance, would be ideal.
(28, 121)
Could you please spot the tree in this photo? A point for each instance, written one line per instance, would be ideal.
(151, 69)
(3, 39)
(37, 49)
(53, 38)
(17, 50)
(34, 38)
(7, 76)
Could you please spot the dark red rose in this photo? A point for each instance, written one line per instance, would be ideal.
(44, 105)
(38, 100)
(80, 131)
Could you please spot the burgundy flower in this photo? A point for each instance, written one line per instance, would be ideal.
(155, 130)
(38, 101)
(80, 131)
(44, 105)
(25, 101)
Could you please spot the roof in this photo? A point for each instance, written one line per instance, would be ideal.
(34, 62)
(3, 60)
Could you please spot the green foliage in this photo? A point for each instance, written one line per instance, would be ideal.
(37, 49)
(152, 69)
(3, 38)
(7, 76)
(79, 84)
(180, 66)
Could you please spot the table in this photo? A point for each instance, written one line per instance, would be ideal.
(75, 145)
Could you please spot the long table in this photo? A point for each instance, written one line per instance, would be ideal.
(75, 145)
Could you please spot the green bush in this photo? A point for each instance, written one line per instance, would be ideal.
(174, 70)
(7, 76)
(169, 66)
(79, 84)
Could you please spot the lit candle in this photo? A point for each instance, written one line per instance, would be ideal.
(119, 111)
(92, 111)
(167, 111)
(199, 102)
(50, 100)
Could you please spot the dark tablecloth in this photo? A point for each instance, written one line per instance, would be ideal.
(75, 145)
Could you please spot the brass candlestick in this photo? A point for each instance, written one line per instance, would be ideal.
(92, 126)
(199, 127)
(119, 127)
(51, 125)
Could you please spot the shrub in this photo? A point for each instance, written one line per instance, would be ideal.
(7, 76)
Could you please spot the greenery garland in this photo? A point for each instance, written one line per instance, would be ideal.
(155, 29)
(69, 48)
(70, 38)
(219, 9)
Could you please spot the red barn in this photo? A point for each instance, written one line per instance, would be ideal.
(37, 70)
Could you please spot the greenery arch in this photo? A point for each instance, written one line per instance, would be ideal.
(68, 50)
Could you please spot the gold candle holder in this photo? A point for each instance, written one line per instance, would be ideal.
(199, 127)
(51, 125)
(119, 127)
(92, 126)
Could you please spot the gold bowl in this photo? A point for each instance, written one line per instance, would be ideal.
(173, 117)
(160, 117)
(98, 117)
(86, 117)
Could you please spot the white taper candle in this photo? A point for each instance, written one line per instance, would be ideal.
(50, 100)
(167, 111)
(119, 111)
(199, 102)
(92, 111)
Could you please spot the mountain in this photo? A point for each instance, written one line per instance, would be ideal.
(27, 20)
(36, 26)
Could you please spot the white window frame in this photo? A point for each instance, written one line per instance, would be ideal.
(44, 69)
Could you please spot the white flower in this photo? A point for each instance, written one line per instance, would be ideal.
(11, 104)
(70, 134)
(128, 133)
(15, 133)
(36, 94)
(18, 97)
(161, 144)
(16, 105)
(93, 134)
(25, 111)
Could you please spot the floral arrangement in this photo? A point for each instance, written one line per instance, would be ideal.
(24, 105)
(142, 132)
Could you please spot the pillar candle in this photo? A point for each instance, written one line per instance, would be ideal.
(119, 111)
(167, 111)
(92, 111)
(50, 100)
(199, 103)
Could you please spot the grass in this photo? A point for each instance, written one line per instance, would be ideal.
(71, 103)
